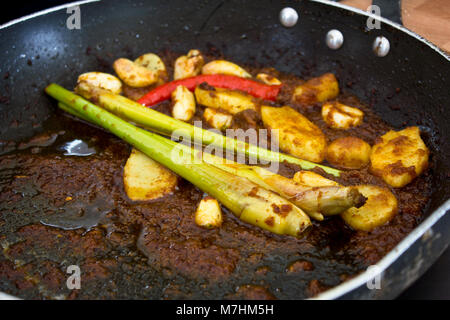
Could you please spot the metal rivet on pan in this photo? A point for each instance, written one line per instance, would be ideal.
(381, 46)
(288, 17)
(334, 39)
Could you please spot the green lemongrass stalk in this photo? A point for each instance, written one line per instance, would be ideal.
(326, 200)
(245, 199)
(73, 112)
(316, 202)
(161, 123)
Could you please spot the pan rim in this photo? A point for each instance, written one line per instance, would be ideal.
(386, 21)
(403, 245)
(388, 259)
(44, 12)
(427, 224)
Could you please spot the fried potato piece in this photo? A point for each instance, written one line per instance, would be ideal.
(189, 65)
(225, 67)
(153, 63)
(296, 134)
(145, 179)
(89, 82)
(134, 75)
(208, 214)
(231, 101)
(399, 156)
(183, 104)
(316, 90)
(341, 116)
(348, 152)
(312, 179)
(268, 79)
(217, 119)
(380, 207)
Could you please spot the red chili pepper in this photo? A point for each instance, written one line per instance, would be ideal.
(257, 89)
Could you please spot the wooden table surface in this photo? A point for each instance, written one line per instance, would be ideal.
(428, 18)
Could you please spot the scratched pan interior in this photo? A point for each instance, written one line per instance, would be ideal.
(248, 32)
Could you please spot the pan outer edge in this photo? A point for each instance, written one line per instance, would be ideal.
(389, 259)
(44, 12)
(386, 21)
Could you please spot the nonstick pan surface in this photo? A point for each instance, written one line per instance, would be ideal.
(407, 87)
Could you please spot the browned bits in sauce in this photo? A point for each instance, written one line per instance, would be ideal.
(270, 221)
(398, 169)
(154, 249)
(252, 292)
(253, 192)
(315, 287)
(300, 265)
(276, 208)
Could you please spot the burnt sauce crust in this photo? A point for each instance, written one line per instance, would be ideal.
(57, 211)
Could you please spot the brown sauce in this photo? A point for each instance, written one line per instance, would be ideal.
(58, 210)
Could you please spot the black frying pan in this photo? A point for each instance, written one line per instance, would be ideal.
(407, 87)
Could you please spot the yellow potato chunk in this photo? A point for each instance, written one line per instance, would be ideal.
(312, 179)
(231, 101)
(341, 116)
(208, 214)
(189, 65)
(134, 75)
(399, 156)
(348, 152)
(268, 79)
(296, 134)
(145, 179)
(88, 83)
(183, 104)
(380, 207)
(217, 119)
(316, 90)
(154, 63)
(225, 67)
